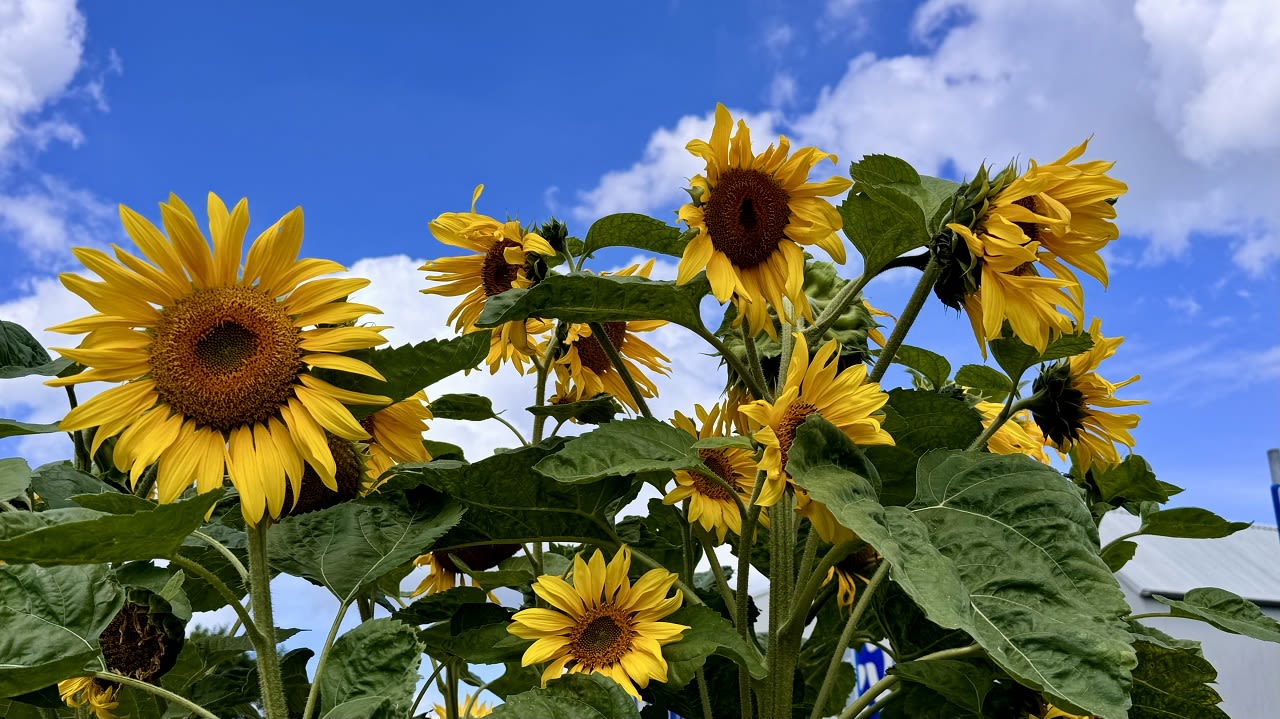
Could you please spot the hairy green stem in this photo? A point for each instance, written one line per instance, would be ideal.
(704, 694)
(158, 691)
(717, 571)
(513, 429)
(906, 319)
(758, 389)
(753, 362)
(807, 559)
(225, 552)
(146, 482)
(450, 690)
(1009, 409)
(842, 645)
(269, 677)
(787, 340)
(540, 391)
(804, 598)
(836, 307)
(84, 462)
(233, 600)
(313, 696)
(782, 654)
(606, 344)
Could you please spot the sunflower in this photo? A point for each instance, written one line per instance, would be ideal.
(849, 571)
(502, 255)
(585, 368)
(710, 504)
(1018, 435)
(602, 623)
(1072, 397)
(1052, 214)
(754, 215)
(444, 574)
(844, 399)
(395, 436)
(94, 695)
(470, 709)
(216, 358)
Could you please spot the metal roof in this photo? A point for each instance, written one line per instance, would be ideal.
(1247, 562)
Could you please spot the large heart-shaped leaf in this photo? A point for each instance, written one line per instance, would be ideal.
(581, 297)
(378, 659)
(573, 696)
(621, 448)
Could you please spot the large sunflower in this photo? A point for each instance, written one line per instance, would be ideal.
(1073, 397)
(1052, 214)
(602, 623)
(844, 399)
(754, 215)
(216, 358)
(500, 262)
(585, 368)
(710, 504)
(1018, 435)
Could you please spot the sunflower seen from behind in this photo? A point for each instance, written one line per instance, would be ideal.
(502, 253)
(755, 215)
(602, 623)
(216, 357)
(710, 503)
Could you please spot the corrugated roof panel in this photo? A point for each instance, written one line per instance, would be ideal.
(1247, 562)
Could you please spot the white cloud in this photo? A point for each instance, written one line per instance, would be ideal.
(40, 46)
(782, 90)
(778, 37)
(1185, 305)
(842, 18)
(47, 218)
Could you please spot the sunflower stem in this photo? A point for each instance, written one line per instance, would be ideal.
(313, 696)
(782, 657)
(84, 462)
(225, 552)
(686, 537)
(514, 431)
(842, 645)
(158, 691)
(758, 389)
(836, 307)
(787, 339)
(606, 344)
(865, 699)
(1009, 409)
(450, 691)
(146, 482)
(540, 391)
(717, 571)
(413, 710)
(269, 677)
(806, 561)
(233, 600)
(813, 584)
(753, 362)
(704, 693)
(906, 319)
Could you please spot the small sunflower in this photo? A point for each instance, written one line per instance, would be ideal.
(216, 357)
(849, 571)
(502, 255)
(470, 709)
(602, 623)
(395, 436)
(444, 574)
(1018, 435)
(1070, 410)
(710, 504)
(585, 368)
(844, 399)
(754, 215)
(96, 696)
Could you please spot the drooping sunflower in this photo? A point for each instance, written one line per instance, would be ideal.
(754, 215)
(710, 504)
(602, 623)
(96, 696)
(1018, 435)
(813, 386)
(585, 368)
(501, 259)
(851, 570)
(1073, 398)
(1052, 214)
(470, 708)
(444, 574)
(216, 358)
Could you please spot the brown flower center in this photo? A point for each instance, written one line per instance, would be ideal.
(592, 355)
(1031, 229)
(496, 274)
(796, 413)
(747, 216)
(314, 495)
(136, 645)
(602, 637)
(717, 461)
(225, 357)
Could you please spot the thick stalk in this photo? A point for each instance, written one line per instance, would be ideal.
(704, 694)
(753, 363)
(787, 340)
(450, 691)
(842, 645)
(835, 308)
(782, 655)
(313, 696)
(146, 482)
(742, 606)
(158, 691)
(809, 590)
(907, 318)
(273, 703)
(606, 344)
(807, 559)
(540, 391)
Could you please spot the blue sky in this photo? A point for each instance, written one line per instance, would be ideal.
(376, 120)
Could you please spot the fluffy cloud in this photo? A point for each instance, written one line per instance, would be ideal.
(1149, 81)
(40, 46)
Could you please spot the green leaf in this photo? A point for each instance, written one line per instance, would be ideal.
(162, 581)
(1188, 522)
(15, 478)
(114, 502)
(293, 672)
(1226, 611)
(204, 597)
(734, 442)
(349, 546)
(470, 407)
(708, 633)
(476, 634)
(600, 409)
(361, 708)
(444, 450)
(22, 355)
(627, 229)
(962, 683)
(440, 606)
(923, 420)
(508, 502)
(14, 428)
(1173, 684)
(83, 536)
(58, 482)
(1015, 357)
(52, 617)
(993, 386)
(933, 366)
(619, 449)
(581, 297)
(573, 696)
(411, 368)
(1040, 602)
(881, 169)
(1131, 481)
(378, 659)
(1118, 554)
(882, 223)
